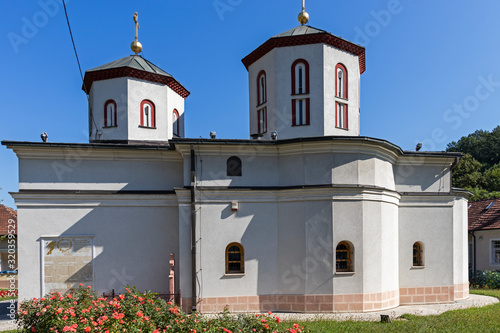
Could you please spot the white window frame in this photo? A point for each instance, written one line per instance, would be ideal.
(493, 250)
(340, 82)
(340, 116)
(300, 76)
(262, 120)
(301, 115)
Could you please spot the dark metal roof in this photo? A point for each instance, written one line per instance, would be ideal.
(173, 142)
(133, 61)
(301, 30)
(305, 35)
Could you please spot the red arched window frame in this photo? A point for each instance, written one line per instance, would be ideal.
(261, 90)
(301, 105)
(148, 120)
(294, 78)
(175, 122)
(110, 119)
(341, 92)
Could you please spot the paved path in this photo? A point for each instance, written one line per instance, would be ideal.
(422, 310)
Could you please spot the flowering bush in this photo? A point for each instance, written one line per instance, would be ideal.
(85, 311)
(6, 293)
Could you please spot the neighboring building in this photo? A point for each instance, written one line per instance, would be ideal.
(484, 235)
(307, 216)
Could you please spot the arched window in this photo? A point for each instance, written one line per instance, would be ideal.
(341, 81)
(233, 166)
(300, 91)
(175, 122)
(343, 257)
(235, 259)
(110, 113)
(341, 120)
(418, 254)
(148, 114)
(261, 101)
(261, 88)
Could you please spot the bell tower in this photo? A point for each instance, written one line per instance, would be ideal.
(305, 82)
(132, 101)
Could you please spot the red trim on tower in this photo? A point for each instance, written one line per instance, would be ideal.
(294, 109)
(325, 38)
(308, 111)
(106, 74)
(262, 72)
(346, 90)
(306, 65)
(178, 121)
(153, 113)
(109, 101)
(346, 119)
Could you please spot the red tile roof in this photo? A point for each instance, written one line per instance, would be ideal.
(483, 218)
(6, 214)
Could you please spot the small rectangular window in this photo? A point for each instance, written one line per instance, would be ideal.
(341, 120)
(300, 112)
(495, 252)
(262, 120)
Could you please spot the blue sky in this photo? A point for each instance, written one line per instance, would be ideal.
(432, 67)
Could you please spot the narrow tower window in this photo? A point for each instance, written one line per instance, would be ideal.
(148, 114)
(261, 88)
(261, 103)
(175, 122)
(300, 90)
(341, 115)
(110, 113)
(341, 87)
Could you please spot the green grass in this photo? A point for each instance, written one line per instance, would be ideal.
(485, 319)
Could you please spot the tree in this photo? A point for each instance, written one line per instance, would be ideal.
(479, 169)
(467, 174)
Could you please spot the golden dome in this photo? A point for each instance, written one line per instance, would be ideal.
(303, 17)
(136, 46)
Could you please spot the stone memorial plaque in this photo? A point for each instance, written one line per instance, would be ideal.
(67, 262)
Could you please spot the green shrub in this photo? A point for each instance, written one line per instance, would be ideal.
(485, 279)
(85, 311)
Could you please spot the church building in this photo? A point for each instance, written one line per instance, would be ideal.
(305, 215)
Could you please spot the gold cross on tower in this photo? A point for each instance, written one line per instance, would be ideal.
(136, 46)
(303, 16)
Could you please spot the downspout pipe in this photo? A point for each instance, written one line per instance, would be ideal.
(193, 228)
(474, 250)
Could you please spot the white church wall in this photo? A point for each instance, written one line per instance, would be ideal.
(423, 175)
(174, 101)
(429, 221)
(274, 114)
(460, 242)
(252, 226)
(141, 230)
(102, 91)
(140, 90)
(82, 169)
(332, 57)
(284, 58)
